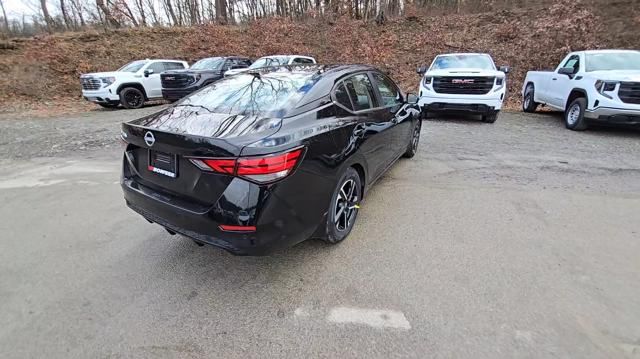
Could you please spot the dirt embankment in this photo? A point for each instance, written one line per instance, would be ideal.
(47, 68)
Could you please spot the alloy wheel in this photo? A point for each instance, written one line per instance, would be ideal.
(416, 136)
(345, 209)
(134, 99)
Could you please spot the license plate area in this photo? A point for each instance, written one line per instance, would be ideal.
(162, 163)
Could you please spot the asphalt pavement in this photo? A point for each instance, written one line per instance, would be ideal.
(518, 239)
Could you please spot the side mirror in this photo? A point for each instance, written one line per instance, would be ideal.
(504, 69)
(412, 98)
(421, 70)
(148, 72)
(569, 71)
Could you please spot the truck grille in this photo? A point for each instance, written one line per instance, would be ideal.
(463, 85)
(90, 83)
(176, 80)
(629, 92)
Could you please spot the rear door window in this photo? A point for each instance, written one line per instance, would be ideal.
(343, 97)
(157, 67)
(360, 91)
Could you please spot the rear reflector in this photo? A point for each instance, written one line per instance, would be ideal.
(230, 228)
(263, 169)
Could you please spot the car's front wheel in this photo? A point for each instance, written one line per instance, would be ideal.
(574, 115)
(412, 147)
(490, 117)
(344, 206)
(131, 98)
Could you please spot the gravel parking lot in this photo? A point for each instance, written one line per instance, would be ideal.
(517, 239)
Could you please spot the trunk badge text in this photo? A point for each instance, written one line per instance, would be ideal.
(149, 139)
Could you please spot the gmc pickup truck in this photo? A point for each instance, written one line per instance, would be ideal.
(463, 83)
(599, 86)
(131, 85)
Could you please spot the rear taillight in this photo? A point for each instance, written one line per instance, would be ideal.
(262, 169)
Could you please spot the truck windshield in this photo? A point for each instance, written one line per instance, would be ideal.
(482, 62)
(269, 61)
(211, 63)
(270, 94)
(133, 66)
(613, 61)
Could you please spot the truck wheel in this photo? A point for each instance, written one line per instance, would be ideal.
(574, 115)
(528, 104)
(131, 98)
(490, 117)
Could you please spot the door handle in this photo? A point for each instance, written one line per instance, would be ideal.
(554, 79)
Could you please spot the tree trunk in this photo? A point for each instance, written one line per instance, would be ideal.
(65, 15)
(47, 18)
(4, 16)
(171, 12)
(107, 13)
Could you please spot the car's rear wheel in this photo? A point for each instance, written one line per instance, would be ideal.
(574, 115)
(412, 147)
(343, 210)
(528, 104)
(131, 98)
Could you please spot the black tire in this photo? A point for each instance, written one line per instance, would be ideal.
(340, 223)
(412, 147)
(490, 117)
(131, 98)
(109, 105)
(528, 104)
(574, 115)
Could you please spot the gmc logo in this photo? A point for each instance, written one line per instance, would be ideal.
(169, 78)
(462, 81)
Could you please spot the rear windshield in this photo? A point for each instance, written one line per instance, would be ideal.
(211, 63)
(272, 94)
(133, 66)
(609, 61)
(483, 62)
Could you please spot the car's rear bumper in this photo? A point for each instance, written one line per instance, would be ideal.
(173, 94)
(612, 115)
(106, 95)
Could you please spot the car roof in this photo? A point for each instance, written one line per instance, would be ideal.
(305, 56)
(465, 53)
(168, 60)
(606, 51)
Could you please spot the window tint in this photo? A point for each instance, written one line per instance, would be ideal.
(301, 60)
(133, 66)
(360, 90)
(244, 62)
(388, 91)
(157, 67)
(612, 61)
(173, 66)
(343, 97)
(574, 62)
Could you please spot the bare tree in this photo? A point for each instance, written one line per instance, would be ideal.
(47, 18)
(106, 12)
(4, 16)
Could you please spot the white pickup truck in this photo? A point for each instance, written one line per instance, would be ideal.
(274, 60)
(465, 82)
(131, 85)
(599, 86)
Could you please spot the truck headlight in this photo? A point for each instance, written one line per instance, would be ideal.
(605, 86)
(427, 80)
(108, 80)
(499, 84)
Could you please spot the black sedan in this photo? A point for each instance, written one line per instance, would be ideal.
(267, 159)
(178, 83)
